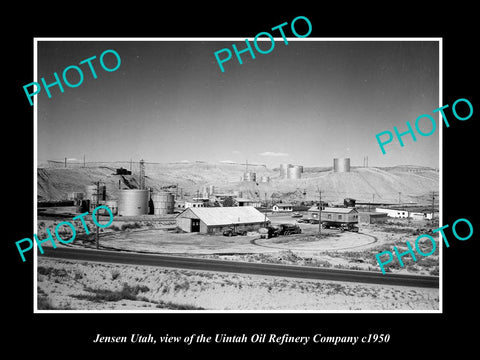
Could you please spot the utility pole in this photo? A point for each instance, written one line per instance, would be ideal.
(319, 211)
(96, 231)
(266, 207)
(433, 203)
(399, 197)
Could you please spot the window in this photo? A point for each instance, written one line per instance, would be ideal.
(339, 217)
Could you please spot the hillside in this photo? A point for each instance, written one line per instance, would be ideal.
(364, 184)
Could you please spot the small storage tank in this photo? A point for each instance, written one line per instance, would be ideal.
(265, 179)
(91, 193)
(163, 203)
(133, 202)
(341, 165)
(294, 172)
(113, 205)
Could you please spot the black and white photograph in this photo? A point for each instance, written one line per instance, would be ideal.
(224, 180)
(261, 187)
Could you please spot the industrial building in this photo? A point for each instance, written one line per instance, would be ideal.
(247, 202)
(371, 217)
(402, 214)
(405, 214)
(213, 220)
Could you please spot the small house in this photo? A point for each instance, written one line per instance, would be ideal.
(282, 207)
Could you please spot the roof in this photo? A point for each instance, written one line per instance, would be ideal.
(246, 200)
(372, 213)
(227, 215)
(339, 210)
(283, 205)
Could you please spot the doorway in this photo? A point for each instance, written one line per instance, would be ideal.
(195, 225)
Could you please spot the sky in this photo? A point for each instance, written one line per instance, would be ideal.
(303, 103)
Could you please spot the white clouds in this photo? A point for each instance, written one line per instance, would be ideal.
(272, 153)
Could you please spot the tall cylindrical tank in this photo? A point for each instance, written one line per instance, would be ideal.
(163, 203)
(133, 202)
(341, 165)
(284, 170)
(211, 189)
(294, 172)
(92, 192)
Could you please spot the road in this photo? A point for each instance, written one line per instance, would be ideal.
(302, 272)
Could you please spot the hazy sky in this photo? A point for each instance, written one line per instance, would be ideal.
(304, 103)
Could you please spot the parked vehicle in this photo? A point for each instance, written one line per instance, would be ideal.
(297, 215)
(233, 232)
(268, 232)
(303, 221)
(287, 229)
(341, 226)
(313, 221)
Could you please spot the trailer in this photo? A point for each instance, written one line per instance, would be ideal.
(345, 219)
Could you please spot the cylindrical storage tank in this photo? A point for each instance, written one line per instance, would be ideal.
(341, 165)
(82, 206)
(92, 192)
(284, 170)
(133, 202)
(163, 203)
(265, 179)
(294, 173)
(113, 205)
(211, 189)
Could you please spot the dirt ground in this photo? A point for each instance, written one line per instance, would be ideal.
(74, 285)
(346, 250)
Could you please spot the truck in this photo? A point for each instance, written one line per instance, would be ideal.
(234, 232)
(268, 232)
(287, 229)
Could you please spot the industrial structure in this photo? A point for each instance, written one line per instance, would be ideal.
(214, 220)
(133, 202)
(163, 203)
(341, 165)
(289, 171)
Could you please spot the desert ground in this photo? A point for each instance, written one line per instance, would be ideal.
(72, 285)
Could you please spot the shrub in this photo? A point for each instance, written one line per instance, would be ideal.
(115, 274)
(100, 295)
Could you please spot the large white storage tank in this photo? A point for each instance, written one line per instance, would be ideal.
(341, 165)
(133, 202)
(295, 172)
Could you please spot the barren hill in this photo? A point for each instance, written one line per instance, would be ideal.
(409, 183)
